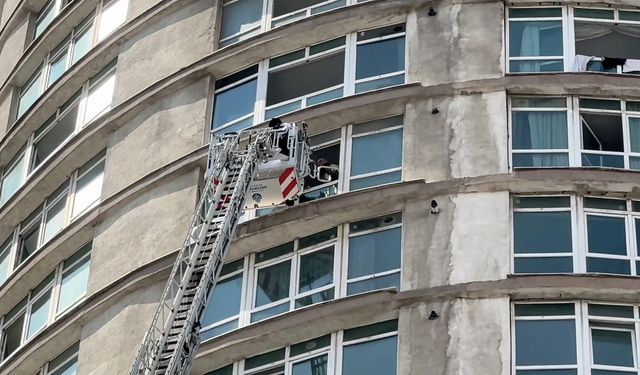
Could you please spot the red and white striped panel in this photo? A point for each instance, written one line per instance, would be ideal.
(288, 184)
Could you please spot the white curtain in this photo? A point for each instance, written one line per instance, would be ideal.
(590, 30)
(548, 130)
(530, 46)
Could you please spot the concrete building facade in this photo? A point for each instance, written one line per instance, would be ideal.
(485, 218)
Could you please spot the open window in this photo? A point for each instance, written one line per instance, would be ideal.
(604, 40)
(602, 133)
(325, 152)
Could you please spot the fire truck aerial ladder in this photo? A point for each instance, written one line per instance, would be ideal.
(263, 167)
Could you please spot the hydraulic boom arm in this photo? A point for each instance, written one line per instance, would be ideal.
(171, 343)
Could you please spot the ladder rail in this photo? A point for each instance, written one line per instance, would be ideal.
(145, 357)
(213, 267)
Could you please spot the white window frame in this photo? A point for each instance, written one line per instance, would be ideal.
(294, 258)
(65, 191)
(584, 323)
(348, 85)
(568, 26)
(289, 360)
(53, 287)
(46, 370)
(345, 258)
(579, 235)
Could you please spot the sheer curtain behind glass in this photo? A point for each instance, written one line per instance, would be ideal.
(542, 131)
(530, 46)
(634, 136)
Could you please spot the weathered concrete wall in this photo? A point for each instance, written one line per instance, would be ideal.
(109, 342)
(178, 39)
(6, 114)
(467, 241)
(13, 48)
(463, 42)
(467, 138)
(167, 130)
(147, 228)
(470, 337)
(8, 7)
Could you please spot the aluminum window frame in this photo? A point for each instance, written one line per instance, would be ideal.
(294, 258)
(584, 323)
(51, 286)
(579, 235)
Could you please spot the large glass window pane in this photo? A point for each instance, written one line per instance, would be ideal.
(56, 68)
(281, 7)
(634, 133)
(234, 103)
(367, 152)
(74, 284)
(607, 235)
(55, 136)
(225, 301)
(375, 252)
(542, 232)
(273, 283)
(99, 98)
(541, 131)
(46, 16)
(66, 363)
(550, 342)
(241, 16)
(39, 313)
(5, 260)
(383, 57)
(88, 189)
(613, 348)
(13, 179)
(381, 282)
(305, 78)
(378, 357)
(112, 16)
(380, 179)
(543, 265)
(30, 93)
(12, 336)
(535, 38)
(81, 44)
(316, 270)
(311, 366)
(55, 221)
(28, 243)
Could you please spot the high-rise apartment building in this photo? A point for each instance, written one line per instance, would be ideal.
(484, 220)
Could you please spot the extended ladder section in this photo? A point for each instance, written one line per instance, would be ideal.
(171, 342)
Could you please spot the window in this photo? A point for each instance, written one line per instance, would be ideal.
(552, 132)
(545, 338)
(108, 16)
(294, 275)
(74, 278)
(555, 39)
(535, 40)
(112, 15)
(310, 76)
(380, 58)
(64, 364)
(369, 165)
(377, 343)
(13, 177)
(66, 285)
(85, 106)
(319, 356)
(68, 202)
(326, 151)
(305, 77)
(548, 335)
(30, 92)
(88, 185)
(220, 318)
(100, 93)
(353, 258)
(375, 249)
(47, 14)
(242, 19)
(546, 235)
(540, 132)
